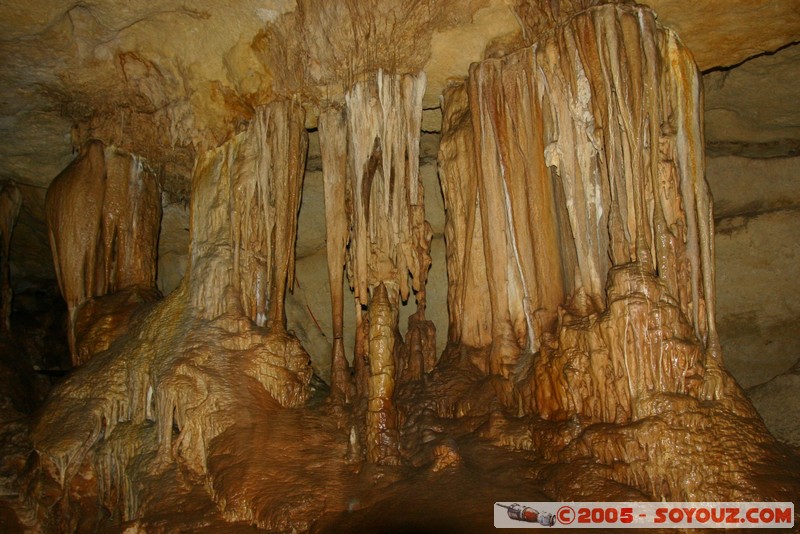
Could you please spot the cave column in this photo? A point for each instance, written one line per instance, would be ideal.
(333, 145)
(389, 236)
(505, 289)
(596, 218)
(265, 170)
(468, 303)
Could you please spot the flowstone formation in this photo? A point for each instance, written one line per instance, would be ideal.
(582, 359)
(574, 182)
(583, 154)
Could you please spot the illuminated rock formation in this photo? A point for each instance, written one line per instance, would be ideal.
(131, 217)
(383, 119)
(194, 362)
(10, 202)
(103, 215)
(589, 168)
(582, 361)
(597, 237)
(374, 201)
(338, 213)
(388, 237)
(77, 195)
(251, 199)
(382, 436)
(467, 301)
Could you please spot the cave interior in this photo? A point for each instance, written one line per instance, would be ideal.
(369, 266)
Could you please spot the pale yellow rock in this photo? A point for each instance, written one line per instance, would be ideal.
(103, 214)
(758, 297)
(749, 110)
(741, 28)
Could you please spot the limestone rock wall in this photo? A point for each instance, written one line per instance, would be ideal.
(753, 138)
(757, 246)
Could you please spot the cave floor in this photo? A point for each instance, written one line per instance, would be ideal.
(292, 469)
(301, 470)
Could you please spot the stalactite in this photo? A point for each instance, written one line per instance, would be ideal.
(255, 181)
(594, 210)
(131, 219)
(333, 144)
(265, 184)
(384, 119)
(103, 216)
(10, 203)
(74, 208)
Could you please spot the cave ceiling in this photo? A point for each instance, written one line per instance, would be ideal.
(170, 78)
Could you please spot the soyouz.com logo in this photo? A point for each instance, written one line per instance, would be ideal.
(644, 515)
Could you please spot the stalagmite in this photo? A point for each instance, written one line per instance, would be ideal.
(103, 215)
(418, 355)
(382, 433)
(10, 202)
(361, 353)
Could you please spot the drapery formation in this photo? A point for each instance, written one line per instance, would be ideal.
(103, 216)
(248, 194)
(197, 363)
